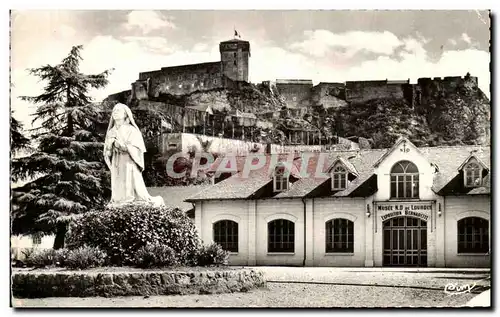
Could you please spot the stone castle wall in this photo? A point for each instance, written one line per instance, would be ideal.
(233, 68)
(329, 95)
(428, 87)
(360, 91)
(295, 93)
(181, 80)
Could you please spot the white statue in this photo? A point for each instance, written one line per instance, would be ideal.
(124, 154)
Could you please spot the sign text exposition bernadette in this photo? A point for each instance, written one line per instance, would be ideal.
(404, 210)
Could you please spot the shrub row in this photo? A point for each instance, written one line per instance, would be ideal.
(132, 235)
(152, 255)
(79, 258)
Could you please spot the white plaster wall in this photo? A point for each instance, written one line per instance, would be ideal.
(219, 145)
(209, 212)
(271, 209)
(185, 141)
(426, 196)
(457, 208)
(426, 173)
(325, 209)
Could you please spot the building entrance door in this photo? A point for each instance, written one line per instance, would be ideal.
(405, 242)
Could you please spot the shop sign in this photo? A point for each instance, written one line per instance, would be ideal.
(398, 209)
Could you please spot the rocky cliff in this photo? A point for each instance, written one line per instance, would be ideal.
(444, 117)
(437, 114)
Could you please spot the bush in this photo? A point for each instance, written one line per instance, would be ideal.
(84, 257)
(27, 252)
(122, 231)
(155, 255)
(212, 254)
(45, 257)
(80, 258)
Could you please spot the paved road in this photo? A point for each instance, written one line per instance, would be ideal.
(314, 287)
(429, 278)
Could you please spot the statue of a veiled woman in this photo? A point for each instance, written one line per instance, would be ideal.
(124, 154)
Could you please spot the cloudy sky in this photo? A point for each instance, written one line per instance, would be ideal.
(332, 46)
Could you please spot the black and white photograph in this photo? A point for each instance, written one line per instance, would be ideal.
(250, 158)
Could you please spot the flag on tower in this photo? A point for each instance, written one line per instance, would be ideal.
(236, 34)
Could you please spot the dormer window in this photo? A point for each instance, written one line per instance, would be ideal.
(472, 175)
(339, 178)
(280, 179)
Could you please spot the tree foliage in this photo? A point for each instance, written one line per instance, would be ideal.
(456, 117)
(460, 118)
(67, 169)
(18, 139)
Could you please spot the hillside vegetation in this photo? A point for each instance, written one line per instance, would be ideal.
(460, 116)
(457, 118)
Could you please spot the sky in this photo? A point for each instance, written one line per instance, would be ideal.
(323, 45)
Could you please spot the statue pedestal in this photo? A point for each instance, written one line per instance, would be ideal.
(156, 201)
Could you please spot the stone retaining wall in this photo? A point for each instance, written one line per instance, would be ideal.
(109, 284)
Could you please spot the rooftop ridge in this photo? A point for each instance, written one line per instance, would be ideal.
(454, 146)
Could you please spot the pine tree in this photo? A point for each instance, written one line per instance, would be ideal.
(18, 141)
(67, 172)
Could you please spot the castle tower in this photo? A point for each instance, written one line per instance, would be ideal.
(234, 56)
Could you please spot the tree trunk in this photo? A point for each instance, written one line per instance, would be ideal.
(61, 230)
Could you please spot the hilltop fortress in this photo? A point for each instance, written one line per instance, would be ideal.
(233, 68)
(216, 100)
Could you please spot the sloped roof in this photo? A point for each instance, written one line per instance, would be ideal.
(238, 159)
(346, 164)
(400, 140)
(449, 158)
(446, 158)
(484, 189)
(175, 196)
(472, 156)
(240, 186)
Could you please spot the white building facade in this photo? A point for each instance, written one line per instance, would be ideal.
(403, 206)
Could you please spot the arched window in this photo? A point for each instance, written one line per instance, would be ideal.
(339, 178)
(473, 236)
(472, 175)
(404, 180)
(280, 178)
(339, 235)
(280, 236)
(226, 234)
